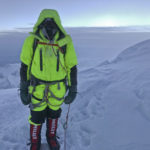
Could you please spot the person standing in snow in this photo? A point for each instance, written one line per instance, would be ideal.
(48, 70)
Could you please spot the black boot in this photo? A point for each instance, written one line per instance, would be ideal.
(35, 137)
(51, 134)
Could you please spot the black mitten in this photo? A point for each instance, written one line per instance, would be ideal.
(25, 97)
(73, 88)
(71, 95)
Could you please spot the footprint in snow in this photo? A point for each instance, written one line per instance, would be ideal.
(85, 135)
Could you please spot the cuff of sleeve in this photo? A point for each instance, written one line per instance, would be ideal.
(73, 88)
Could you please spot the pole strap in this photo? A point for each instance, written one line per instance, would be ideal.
(65, 127)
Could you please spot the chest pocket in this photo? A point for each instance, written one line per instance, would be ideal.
(48, 63)
(48, 57)
(41, 60)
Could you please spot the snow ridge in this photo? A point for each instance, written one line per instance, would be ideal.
(137, 50)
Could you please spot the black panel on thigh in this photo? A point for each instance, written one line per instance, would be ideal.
(38, 117)
(54, 114)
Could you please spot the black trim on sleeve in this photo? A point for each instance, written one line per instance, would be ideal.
(73, 75)
(23, 72)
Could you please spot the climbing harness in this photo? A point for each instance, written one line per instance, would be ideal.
(46, 96)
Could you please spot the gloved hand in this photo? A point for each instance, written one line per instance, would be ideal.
(71, 94)
(25, 97)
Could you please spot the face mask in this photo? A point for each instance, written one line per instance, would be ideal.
(51, 33)
(51, 28)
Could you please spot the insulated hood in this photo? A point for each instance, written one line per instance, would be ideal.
(49, 13)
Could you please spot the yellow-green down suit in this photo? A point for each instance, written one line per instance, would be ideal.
(47, 71)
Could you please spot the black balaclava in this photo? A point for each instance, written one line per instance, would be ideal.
(50, 27)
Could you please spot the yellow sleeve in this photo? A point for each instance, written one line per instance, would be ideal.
(27, 51)
(70, 56)
(70, 59)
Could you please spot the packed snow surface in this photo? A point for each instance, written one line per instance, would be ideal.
(111, 111)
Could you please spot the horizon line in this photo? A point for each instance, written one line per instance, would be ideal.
(27, 28)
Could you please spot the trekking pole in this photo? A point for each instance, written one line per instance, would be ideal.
(65, 127)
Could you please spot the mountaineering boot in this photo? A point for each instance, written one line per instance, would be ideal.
(35, 137)
(51, 134)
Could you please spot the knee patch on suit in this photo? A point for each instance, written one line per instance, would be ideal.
(53, 114)
(38, 117)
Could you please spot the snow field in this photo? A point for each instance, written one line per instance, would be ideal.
(111, 111)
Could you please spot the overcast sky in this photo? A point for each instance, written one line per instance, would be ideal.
(24, 13)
